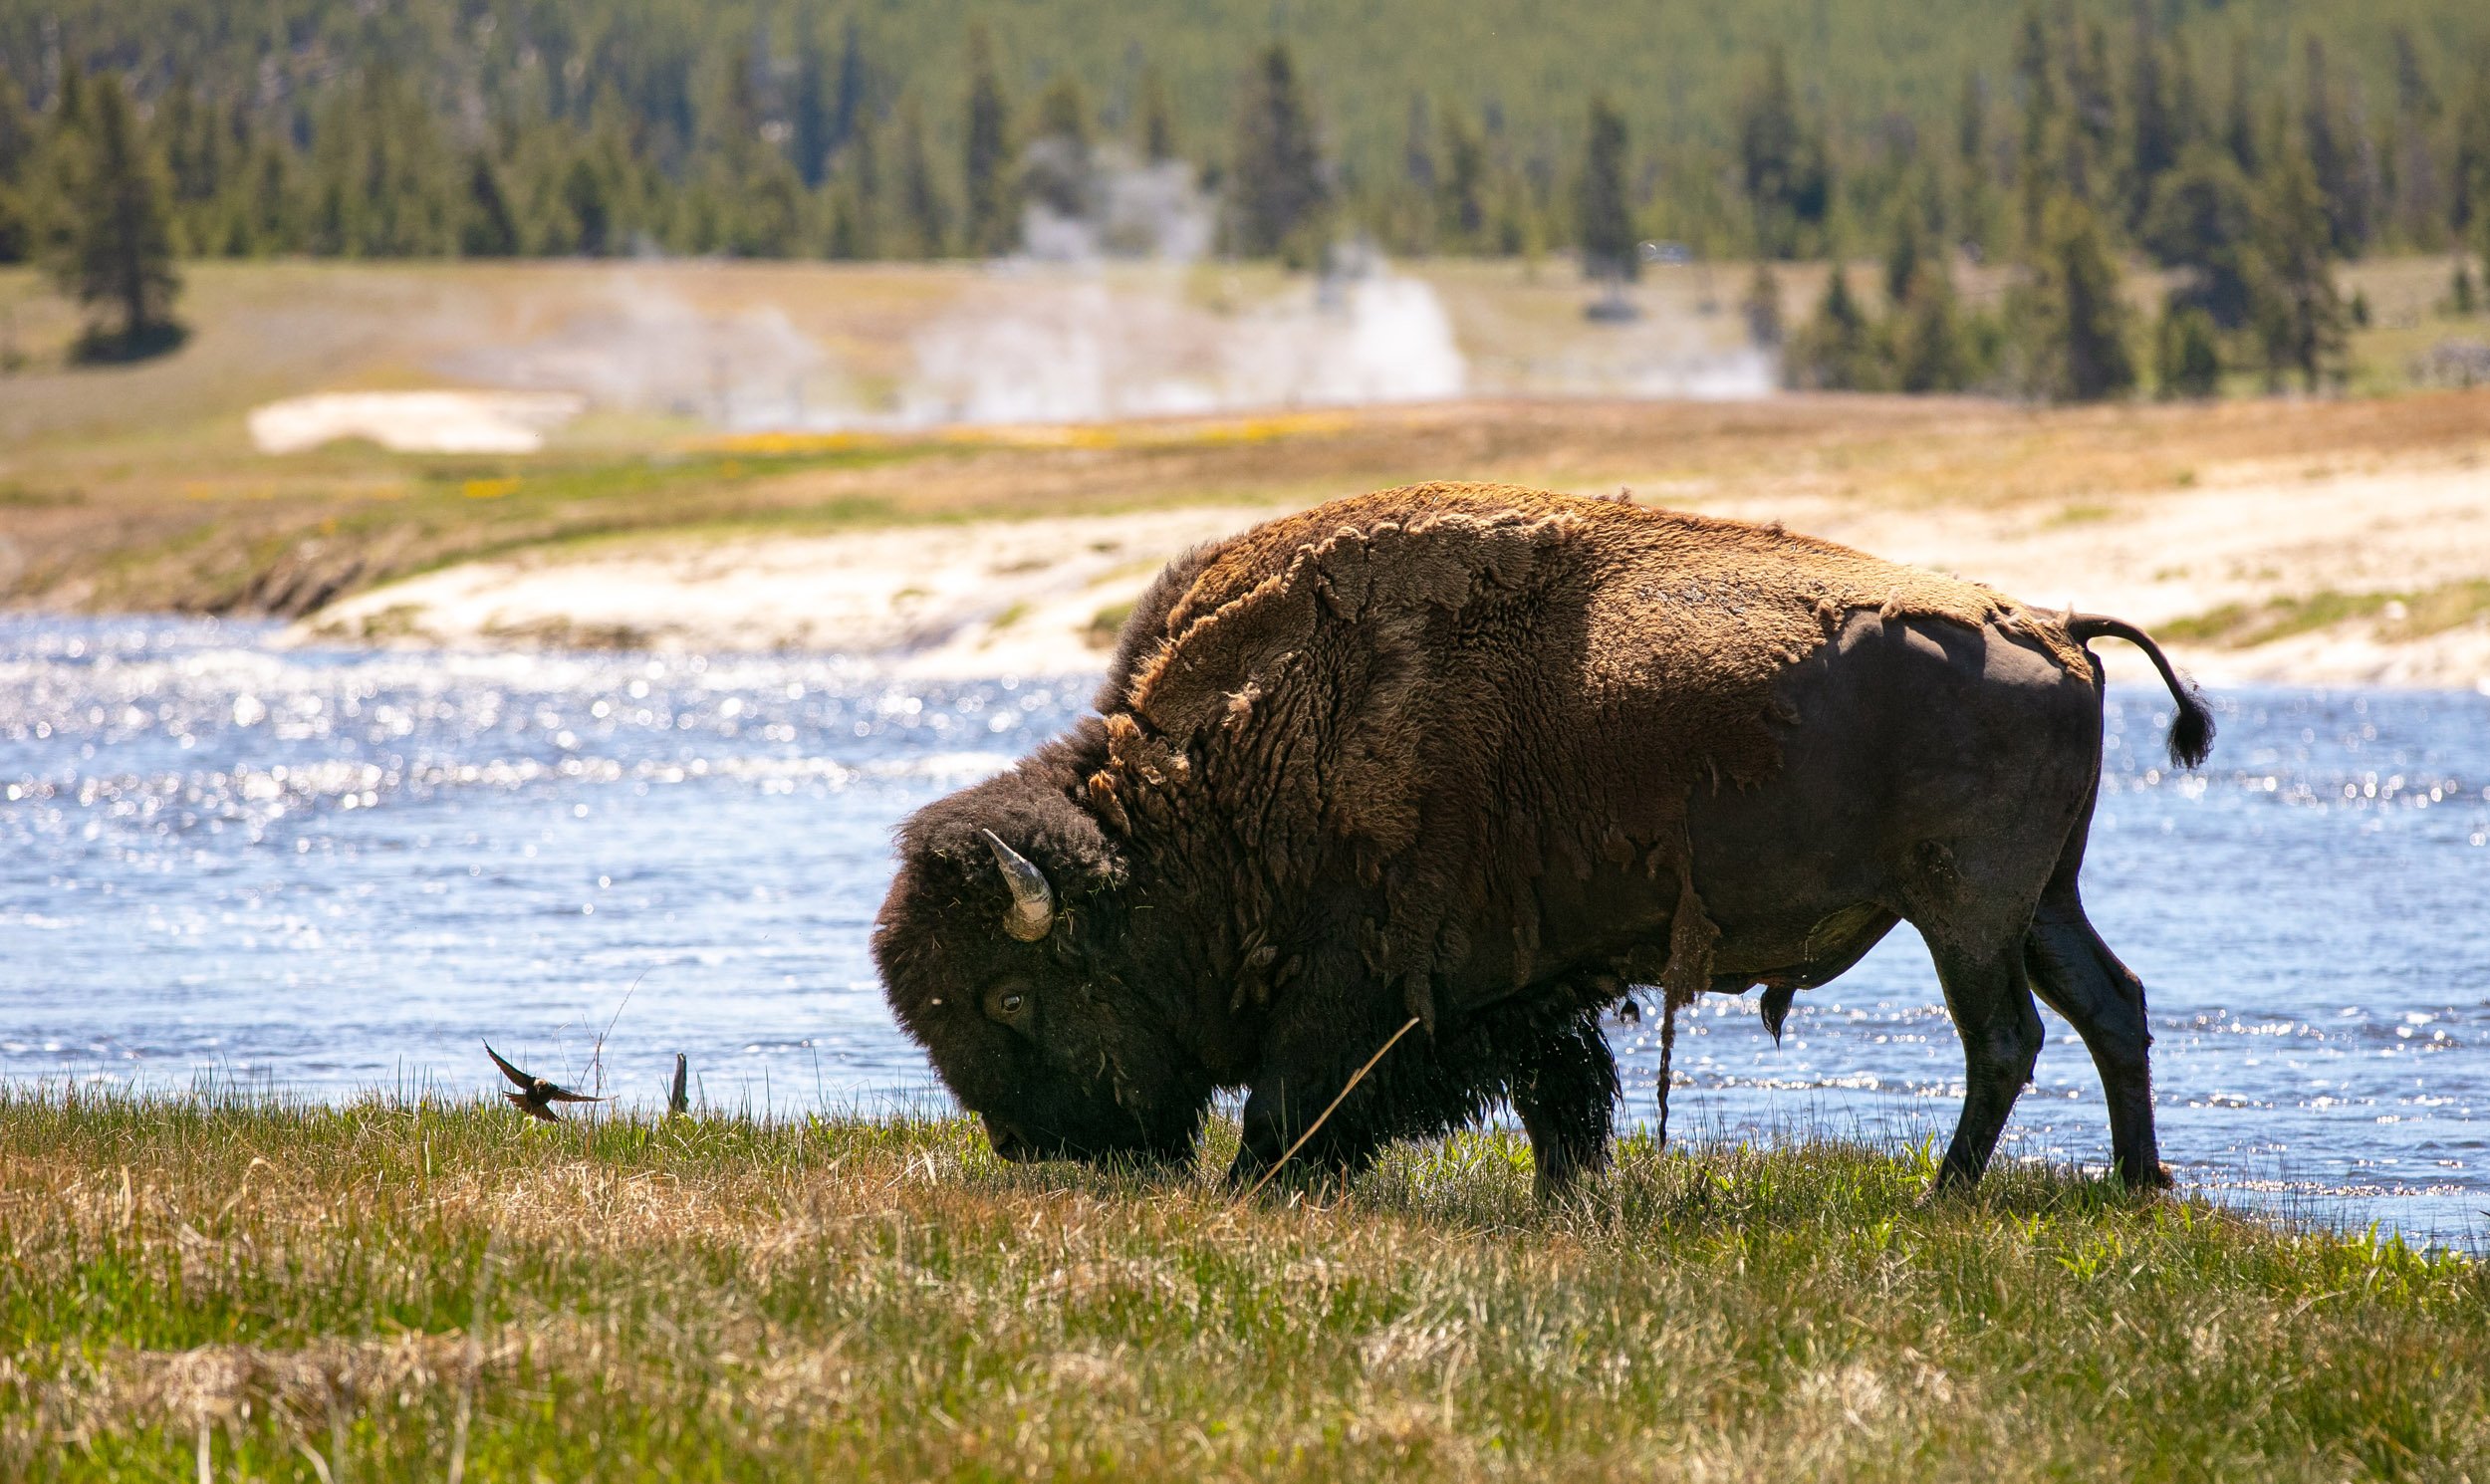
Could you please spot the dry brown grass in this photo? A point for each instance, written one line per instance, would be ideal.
(715, 1299)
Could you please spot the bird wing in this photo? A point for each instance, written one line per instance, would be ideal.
(522, 1079)
(529, 1106)
(552, 1094)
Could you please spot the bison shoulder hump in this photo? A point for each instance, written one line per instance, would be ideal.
(1259, 604)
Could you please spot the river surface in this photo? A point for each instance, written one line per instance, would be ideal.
(323, 873)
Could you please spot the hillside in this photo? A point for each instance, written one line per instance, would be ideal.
(709, 127)
(1675, 69)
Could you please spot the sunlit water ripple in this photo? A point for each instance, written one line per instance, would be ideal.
(329, 871)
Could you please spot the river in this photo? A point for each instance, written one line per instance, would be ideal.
(229, 864)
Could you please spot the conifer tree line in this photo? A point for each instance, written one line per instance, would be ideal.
(2246, 192)
(554, 127)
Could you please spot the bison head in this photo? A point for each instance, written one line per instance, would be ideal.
(1006, 951)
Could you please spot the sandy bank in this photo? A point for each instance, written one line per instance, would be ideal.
(978, 597)
(1040, 595)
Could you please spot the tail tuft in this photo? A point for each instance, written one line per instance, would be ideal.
(2192, 731)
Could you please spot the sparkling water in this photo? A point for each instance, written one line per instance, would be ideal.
(326, 872)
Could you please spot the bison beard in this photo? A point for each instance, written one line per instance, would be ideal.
(1488, 757)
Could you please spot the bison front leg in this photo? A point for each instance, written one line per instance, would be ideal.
(1282, 1111)
(1565, 1091)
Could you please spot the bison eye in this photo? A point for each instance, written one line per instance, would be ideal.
(1010, 1004)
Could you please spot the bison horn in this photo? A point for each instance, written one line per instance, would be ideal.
(1033, 900)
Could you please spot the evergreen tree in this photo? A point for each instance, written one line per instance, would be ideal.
(17, 153)
(812, 117)
(1159, 120)
(925, 217)
(2468, 209)
(54, 187)
(1931, 348)
(1461, 195)
(194, 153)
(770, 217)
(847, 114)
(2333, 153)
(265, 221)
(2299, 311)
(2153, 133)
(1780, 164)
(2412, 184)
(992, 224)
(1056, 166)
(856, 207)
(1604, 223)
(2072, 310)
(2189, 122)
(1908, 249)
(1834, 351)
(2187, 354)
(489, 230)
(1417, 147)
(2091, 141)
(1762, 308)
(1276, 189)
(2203, 218)
(588, 200)
(2239, 122)
(1975, 204)
(118, 255)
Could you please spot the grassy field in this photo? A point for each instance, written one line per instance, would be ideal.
(227, 1291)
(135, 487)
(2328, 538)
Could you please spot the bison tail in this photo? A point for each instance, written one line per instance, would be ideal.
(2192, 731)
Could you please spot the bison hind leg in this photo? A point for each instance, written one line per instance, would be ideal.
(2074, 971)
(1990, 998)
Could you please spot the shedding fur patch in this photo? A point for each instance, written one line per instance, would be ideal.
(1437, 698)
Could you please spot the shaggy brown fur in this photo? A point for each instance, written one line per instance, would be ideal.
(1391, 641)
(1435, 752)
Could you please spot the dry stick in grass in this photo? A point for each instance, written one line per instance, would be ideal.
(1354, 1078)
(597, 1056)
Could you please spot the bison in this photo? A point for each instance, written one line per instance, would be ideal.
(1488, 759)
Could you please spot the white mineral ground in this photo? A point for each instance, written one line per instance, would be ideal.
(1027, 597)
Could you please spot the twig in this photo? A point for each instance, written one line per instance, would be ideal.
(597, 1056)
(1354, 1078)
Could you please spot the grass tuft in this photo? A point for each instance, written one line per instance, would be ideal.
(306, 1287)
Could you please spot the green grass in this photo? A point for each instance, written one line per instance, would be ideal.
(311, 1293)
(2403, 616)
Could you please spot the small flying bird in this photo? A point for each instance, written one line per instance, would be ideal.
(535, 1092)
(678, 1096)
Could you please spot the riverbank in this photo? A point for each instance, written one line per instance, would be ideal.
(373, 1290)
(2340, 540)
(2312, 542)
(2368, 573)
